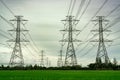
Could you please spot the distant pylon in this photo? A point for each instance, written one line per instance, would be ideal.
(70, 58)
(47, 62)
(60, 59)
(17, 56)
(42, 59)
(115, 61)
(102, 55)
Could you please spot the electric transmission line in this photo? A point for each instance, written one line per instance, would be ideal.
(72, 7)
(22, 24)
(69, 9)
(80, 8)
(111, 12)
(7, 7)
(101, 7)
(85, 9)
(35, 46)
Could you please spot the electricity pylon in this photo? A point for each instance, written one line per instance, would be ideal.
(115, 61)
(102, 55)
(60, 59)
(17, 56)
(70, 58)
(48, 63)
(42, 59)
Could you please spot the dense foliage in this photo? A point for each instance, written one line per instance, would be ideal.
(92, 66)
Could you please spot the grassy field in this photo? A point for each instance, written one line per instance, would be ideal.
(59, 75)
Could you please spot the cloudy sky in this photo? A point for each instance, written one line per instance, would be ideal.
(44, 22)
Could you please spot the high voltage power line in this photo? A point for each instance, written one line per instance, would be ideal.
(13, 24)
(80, 12)
(80, 8)
(7, 7)
(101, 7)
(14, 28)
(72, 8)
(94, 14)
(85, 9)
(111, 12)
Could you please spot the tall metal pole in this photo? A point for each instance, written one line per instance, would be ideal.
(70, 58)
(70, 53)
(60, 59)
(42, 59)
(102, 55)
(47, 62)
(17, 56)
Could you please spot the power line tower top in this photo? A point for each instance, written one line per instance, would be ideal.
(17, 56)
(70, 58)
(102, 55)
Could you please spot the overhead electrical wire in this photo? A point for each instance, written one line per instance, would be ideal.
(3, 18)
(80, 8)
(88, 51)
(30, 51)
(109, 26)
(29, 47)
(3, 32)
(87, 43)
(72, 11)
(72, 7)
(112, 11)
(113, 22)
(101, 7)
(31, 44)
(7, 7)
(11, 23)
(85, 9)
(4, 35)
(32, 39)
(91, 38)
(69, 7)
(13, 15)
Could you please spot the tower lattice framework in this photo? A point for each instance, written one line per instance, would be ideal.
(70, 58)
(17, 56)
(102, 55)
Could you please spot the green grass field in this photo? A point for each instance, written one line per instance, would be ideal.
(59, 75)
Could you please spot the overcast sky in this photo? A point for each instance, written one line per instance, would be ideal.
(44, 22)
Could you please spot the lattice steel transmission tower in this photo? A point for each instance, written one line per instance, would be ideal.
(115, 61)
(70, 58)
(48, 62)
(60, 59)
(102, 55)
(42, 59)
(17, 56)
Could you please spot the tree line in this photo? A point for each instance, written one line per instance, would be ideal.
(91, 66)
